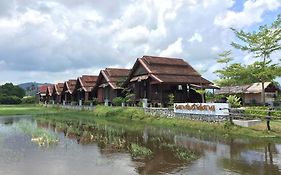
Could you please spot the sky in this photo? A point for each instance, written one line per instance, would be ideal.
(56, 40)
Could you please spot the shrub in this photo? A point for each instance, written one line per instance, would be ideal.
(139, 151)
(95, 101)
(234, 101)
(171, 100)
(10, 100)
(28, 100)
(117, 101)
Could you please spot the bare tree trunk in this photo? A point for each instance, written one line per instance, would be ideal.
(263, 93)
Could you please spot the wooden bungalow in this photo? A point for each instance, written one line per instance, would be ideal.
(49, 94)
(251, 93)
(57, 90)
(155, 78)
(109, 84)
(67, 92)
(41, 94)
(84, 87)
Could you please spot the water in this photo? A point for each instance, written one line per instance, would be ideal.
(105, 149)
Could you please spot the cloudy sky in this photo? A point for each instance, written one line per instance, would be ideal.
(56, 40)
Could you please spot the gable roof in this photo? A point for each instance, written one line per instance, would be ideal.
(58, 88)
(247, 89)
(87, 82)
(42, 89)
(113, 76)
(257, 87)
(49, 91)
(70, 86)
(168, 70)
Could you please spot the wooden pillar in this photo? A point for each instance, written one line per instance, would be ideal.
(86, 96)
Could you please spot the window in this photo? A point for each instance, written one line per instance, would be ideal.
(180, 87)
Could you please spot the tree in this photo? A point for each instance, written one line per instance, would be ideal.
(261, 44)
(9, 89)
(231, 74)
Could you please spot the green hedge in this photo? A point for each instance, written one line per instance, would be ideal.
(10, 100)
(261, 112)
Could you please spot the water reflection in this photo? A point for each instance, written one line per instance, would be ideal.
(95, 148)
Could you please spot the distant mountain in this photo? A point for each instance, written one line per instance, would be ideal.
(31, 88)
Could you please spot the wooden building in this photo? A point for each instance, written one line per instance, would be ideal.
(67, 92)
(109, 84)
(251, 93)
(84, 87)
(155, 78)
(49, 94)
(57, 90)
(41, 94)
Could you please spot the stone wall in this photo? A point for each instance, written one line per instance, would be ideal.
(169, 113)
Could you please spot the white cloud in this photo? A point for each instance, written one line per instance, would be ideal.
(251, 14)
(59, 39)
(174, 49)
(196, 37)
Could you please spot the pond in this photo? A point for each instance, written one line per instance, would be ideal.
(74, 147)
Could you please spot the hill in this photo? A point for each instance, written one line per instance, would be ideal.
(31, 88)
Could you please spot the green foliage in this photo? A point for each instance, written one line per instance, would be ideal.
(39, 136)
(10, 100)
(95, 101)
(234, 101)
(129, 98)
(28, 100)
(139, 151)
(180, 152)
(171, 100)
(9, 89)
(117, 101)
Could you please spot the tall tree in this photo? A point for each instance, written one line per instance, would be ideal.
(261, 44)
(232, 73)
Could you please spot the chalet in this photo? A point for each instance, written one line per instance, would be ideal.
(155, 78)
(84, 87)
(57, 90)
(67, 92)
(252, 93)
(109, 84)
(41, 94)
(49, 94)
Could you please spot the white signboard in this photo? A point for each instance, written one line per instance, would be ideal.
(202, 108)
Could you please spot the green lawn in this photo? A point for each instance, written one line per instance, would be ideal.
(133, 118)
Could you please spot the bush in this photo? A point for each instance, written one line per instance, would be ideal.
(10, 100)
(117, 101)
(171, 100)
(95, 101)
(234, 101)
(28, 100)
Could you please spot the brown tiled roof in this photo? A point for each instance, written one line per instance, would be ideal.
(88, 82)
(232, 89)
(70, 85)
(42, 89)
(114, 76)
(58, 88)
(169, 70)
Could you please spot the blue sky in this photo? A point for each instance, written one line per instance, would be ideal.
(56, 40)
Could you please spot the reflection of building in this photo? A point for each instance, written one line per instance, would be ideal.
(252, 94)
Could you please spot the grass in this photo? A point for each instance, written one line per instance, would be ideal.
(134, 118)
(40, 136)
(139, 151)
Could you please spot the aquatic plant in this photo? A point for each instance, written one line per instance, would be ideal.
(180, 152)
(40, 136)
(139, 151)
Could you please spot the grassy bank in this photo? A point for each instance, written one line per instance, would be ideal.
(133, 118)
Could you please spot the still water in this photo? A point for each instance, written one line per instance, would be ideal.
(94, 148)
